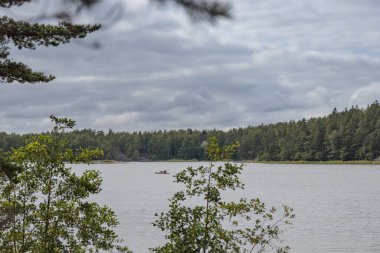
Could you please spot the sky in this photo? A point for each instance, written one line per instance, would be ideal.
(156, 69)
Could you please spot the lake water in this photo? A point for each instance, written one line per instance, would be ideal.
(337, 206)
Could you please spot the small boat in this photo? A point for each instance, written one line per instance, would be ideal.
(162, 172)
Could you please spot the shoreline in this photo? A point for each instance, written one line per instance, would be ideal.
(363, 162)
(360, 162)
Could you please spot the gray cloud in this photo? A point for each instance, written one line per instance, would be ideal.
(274, 61)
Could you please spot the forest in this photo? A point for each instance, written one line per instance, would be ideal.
(353, 134)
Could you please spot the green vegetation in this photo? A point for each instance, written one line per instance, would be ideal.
(351, 135)
(45, 209)
(44, 206)
(25, 35)
(315, 162)
(216, 225)
(8, 169)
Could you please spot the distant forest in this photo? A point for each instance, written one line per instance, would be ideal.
(353, 134)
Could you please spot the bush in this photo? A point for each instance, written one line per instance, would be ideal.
(48, 203)
(216, 225)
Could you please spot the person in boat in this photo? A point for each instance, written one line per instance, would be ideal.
(162, 172)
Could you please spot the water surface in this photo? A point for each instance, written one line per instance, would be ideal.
(337, 206)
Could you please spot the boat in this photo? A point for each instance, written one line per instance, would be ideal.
(162, 172)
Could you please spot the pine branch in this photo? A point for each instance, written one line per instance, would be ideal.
(26, 35)
(10, 3)
(18, 72)
(200, 10)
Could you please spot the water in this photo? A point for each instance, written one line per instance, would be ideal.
(337, 206)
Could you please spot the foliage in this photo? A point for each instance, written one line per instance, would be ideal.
(200, 10)
(7, 169)
(48, 203)
(349, 135)
(8, 172)
(218, 225)
(25, 35)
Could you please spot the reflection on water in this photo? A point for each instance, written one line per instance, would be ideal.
(337, 206)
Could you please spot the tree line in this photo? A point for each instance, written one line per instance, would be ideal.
(352, 134)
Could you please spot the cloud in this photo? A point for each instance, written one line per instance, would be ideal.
(367, 93)
(156, 69)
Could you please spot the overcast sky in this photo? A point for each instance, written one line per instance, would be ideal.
(274, 61)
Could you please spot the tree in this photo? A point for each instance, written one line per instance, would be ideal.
(217, 225)
(25, 35)
(351, 135)
(48, 203)
(8, 172)
(7, 169)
